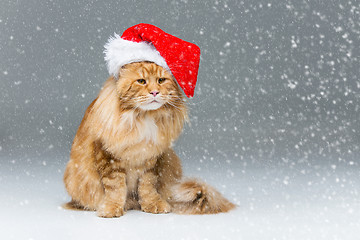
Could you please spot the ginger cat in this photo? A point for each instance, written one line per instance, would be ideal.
(121, 157)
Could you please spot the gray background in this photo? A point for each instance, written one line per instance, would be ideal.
(274, 121)
(278, 80)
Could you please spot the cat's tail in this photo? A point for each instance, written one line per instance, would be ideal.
(192, 196)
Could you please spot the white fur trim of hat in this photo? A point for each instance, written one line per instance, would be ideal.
(119, 52)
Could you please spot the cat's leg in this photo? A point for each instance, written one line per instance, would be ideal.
(150, 200)
(169, 171)
(82, 180)
(113, 180)
(113, 203)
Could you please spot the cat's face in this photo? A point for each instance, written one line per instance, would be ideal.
(147, 86)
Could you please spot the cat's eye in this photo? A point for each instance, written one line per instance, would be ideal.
(141, 81)
(161, 80)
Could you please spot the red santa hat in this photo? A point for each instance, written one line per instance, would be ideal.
(146, 42)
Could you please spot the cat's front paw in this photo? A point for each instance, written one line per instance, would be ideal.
(110, 211)
(158, 206)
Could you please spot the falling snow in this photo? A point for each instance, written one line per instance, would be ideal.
(274, 123)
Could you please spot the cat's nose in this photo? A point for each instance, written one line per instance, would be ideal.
(154, 93)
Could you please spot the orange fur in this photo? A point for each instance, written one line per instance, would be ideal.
(121, 157)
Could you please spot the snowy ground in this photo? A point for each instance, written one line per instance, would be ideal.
(273, 203)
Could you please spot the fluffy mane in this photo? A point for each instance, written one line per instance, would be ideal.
(120, 128)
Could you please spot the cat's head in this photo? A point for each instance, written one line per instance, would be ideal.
(146, 86)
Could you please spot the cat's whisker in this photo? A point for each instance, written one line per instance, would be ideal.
(169, 106)
(173, 102)
(131, 98)
(173, 105)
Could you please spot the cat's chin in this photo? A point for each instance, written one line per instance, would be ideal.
(151, 106)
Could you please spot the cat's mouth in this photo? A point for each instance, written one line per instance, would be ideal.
(153, 105)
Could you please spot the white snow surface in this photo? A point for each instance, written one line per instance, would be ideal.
(320, 202)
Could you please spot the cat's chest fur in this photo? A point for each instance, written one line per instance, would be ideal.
(135, 141)
(145, 128)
